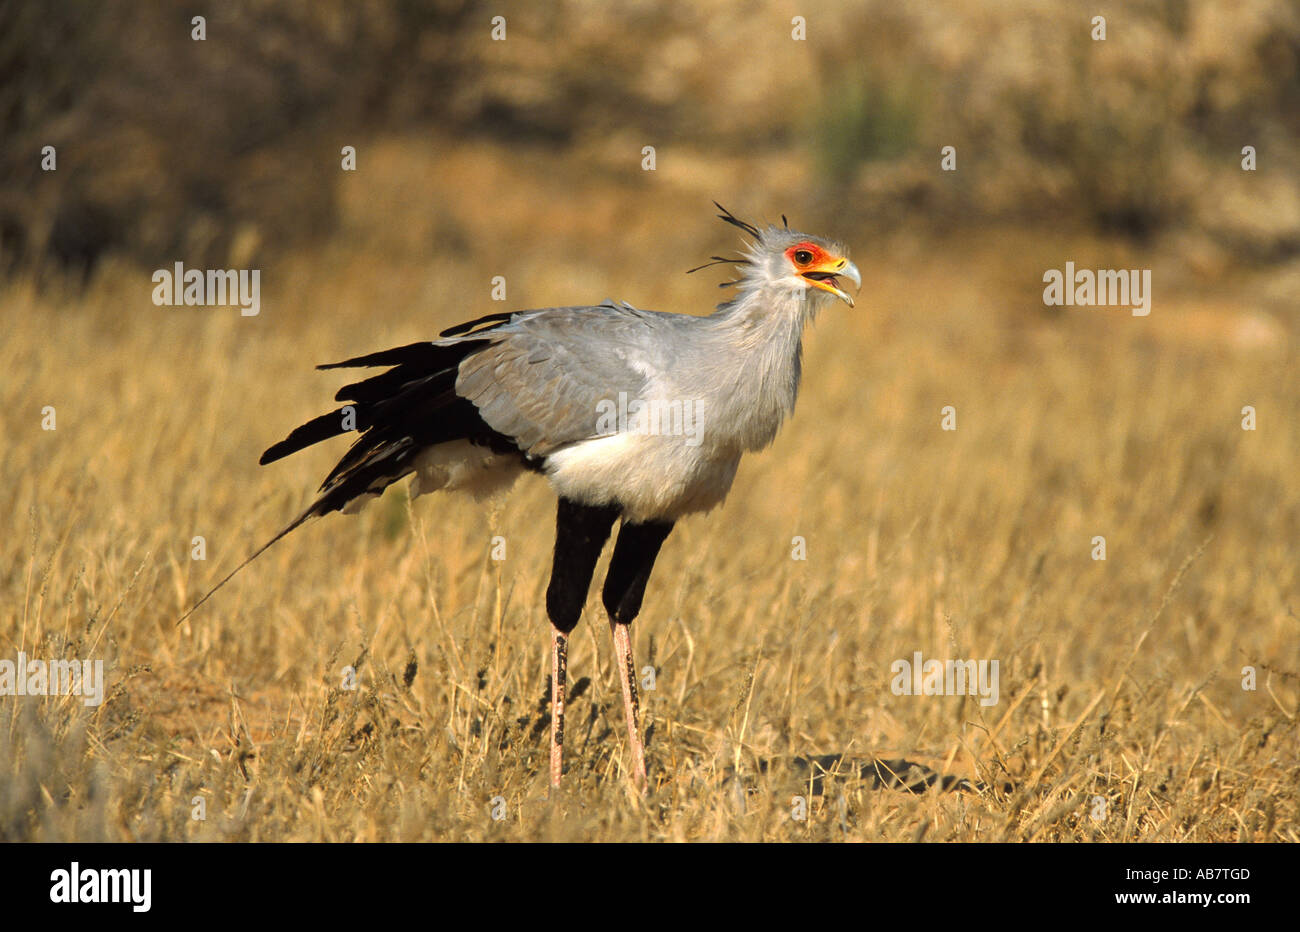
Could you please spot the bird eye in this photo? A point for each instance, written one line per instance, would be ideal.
(802, 256)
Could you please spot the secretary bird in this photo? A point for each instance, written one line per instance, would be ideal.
(532, 391)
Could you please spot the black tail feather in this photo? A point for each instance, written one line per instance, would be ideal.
(491, 320)
(419, 371)
(379, 387)
(410, 353)
(398, 413)
(314, 431)
(256, 553)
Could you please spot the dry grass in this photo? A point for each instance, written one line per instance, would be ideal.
(1119, 679)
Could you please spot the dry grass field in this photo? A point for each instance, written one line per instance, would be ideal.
(1120, 680)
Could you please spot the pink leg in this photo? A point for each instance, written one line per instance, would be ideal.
(559, 676)
(627, 675)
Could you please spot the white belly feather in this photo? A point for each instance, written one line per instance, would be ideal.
(654, 477)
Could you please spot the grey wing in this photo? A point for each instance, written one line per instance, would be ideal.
(543, 377)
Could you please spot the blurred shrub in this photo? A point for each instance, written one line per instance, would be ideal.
(171, 148)
(864, 120)
(1136, 134)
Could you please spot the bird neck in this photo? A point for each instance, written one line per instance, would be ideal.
(761, 330)
(767, 311)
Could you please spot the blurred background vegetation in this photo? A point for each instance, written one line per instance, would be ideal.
(226, 151)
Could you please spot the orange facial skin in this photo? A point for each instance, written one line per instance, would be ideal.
(818, 267)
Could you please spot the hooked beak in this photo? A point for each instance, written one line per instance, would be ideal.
(826, 277)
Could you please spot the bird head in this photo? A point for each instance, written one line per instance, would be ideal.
(778, 257)
(812, 263)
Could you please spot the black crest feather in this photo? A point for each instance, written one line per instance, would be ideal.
(728, 217)
(717, 260)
